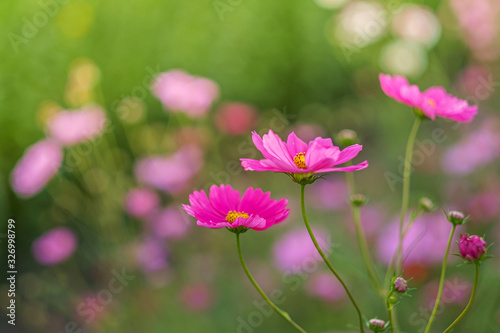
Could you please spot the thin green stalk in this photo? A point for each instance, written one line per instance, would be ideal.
(325, 259)
(363, 246)
(441, 281)
(282, 313)
(389, 310)
(406, 188)
(472, 296)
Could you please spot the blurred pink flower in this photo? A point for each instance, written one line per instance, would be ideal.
(424, 243)
(476, 149)
(433, 102)
(295, 252)
(372, 218)
(179, 91)
(476, 82)
(197, 297)
(141, 202)
(456, 290)
(297, 157)
(71, 127)
(54, 246)
(235, 118)
(326, 287)
(152, 255)
(36, 168)
(171, 173)
(484, 206)
(170, 223)
(225, 208)
(329, 194)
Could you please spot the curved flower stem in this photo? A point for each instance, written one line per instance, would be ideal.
(325, 259)
(282, 313)
(441, 281)
(406, 189)
(389, 310)
(472, 296)
(363, 246)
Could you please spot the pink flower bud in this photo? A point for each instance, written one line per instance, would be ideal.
(471, 248)
(376, 325)
(400, 285)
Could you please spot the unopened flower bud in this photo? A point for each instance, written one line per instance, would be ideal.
(471, 248)
(347, 137)
(457, 217)
(400, 285)
(358, 199)
(377, 325)
(426, 204)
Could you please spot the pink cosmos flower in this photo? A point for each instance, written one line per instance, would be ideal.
(54, 246)
(36, 168)
(170, 173)
(433, 102)
(297, 157)
(225, 208)
(141, 202)
(471, 248)
(71, 127)
(179, 91)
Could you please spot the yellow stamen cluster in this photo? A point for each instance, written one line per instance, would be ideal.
(300, 160)
(431, 102)
(233, 215)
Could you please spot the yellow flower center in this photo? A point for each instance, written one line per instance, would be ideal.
(233, 215)
(300, 160)
(431, 102)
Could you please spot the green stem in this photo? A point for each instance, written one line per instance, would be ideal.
(441, 281)
(325, 259)
(363, 246)
(406, 189)
(389, 310)
(472, 296)
(282, 313)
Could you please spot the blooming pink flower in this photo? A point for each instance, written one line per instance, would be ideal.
(170, 173)
(170, 223)
(224, 208)
(295, 252)
(471, 248)
(71, 127)
(36, 168)
(140, 202)
(235, 118)
(179, 91)
(54, 246)
(297, 157)
(433, 102)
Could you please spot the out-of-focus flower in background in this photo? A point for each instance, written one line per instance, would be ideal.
(54, 246)
(424, 243)
(403, 57)
(236, 118)
(456, 291)
(417, 24)
(473, 151)
(170, 173)
(181, 92)
(330, 194)
(484, 206)
(72, 127)
(294, 251)
(36, 168)
(141, 202)
(197, 297)
(151, 254)
(324, 286)
(170, 222)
